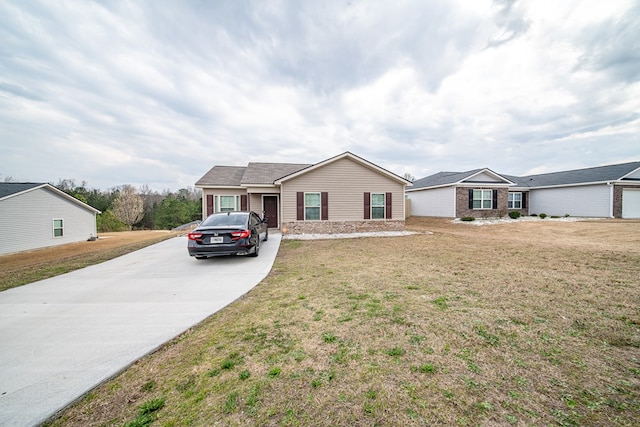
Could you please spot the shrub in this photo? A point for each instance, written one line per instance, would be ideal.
(534, 214)
(514, 214)
(543, 215)
(467, 218)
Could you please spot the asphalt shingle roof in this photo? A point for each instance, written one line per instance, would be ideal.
(253, 173)
(578, 176)
(267, 173)
(223, 176)
(9, 188)
(442, 178)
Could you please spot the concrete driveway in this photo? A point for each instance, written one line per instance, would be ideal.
(62, 336)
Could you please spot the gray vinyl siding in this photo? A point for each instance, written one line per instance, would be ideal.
(345, 181)
(26, 221)
(436, 202)
(586, 201)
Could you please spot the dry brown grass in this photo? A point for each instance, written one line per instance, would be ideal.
(517, 324)
(27, 267)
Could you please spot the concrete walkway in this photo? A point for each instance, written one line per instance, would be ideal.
(61, 337)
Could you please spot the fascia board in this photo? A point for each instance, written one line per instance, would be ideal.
(431, 187)
(485, 184)
(218, 187)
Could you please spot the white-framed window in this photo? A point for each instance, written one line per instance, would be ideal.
(515, 200)
(378, 205)
(58, 227)
(311, 206)
(227, 203)
(482, 199)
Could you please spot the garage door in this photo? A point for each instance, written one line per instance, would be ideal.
(630, 203)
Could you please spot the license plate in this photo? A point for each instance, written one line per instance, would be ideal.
(216, 239)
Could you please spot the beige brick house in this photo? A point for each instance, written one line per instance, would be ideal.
(342, 194)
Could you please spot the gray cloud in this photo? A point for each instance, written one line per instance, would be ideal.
(157, 92)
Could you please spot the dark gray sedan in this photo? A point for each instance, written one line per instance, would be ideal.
(228, 233)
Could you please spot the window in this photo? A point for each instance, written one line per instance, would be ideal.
(58, 228)
(227, 203)
(378, 205)
(312, 206)
(515, 201)
(482, 199)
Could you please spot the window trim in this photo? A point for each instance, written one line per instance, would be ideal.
(511, 203)
(54, 228)
(319, 207)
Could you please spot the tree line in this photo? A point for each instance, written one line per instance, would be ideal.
(126, 207)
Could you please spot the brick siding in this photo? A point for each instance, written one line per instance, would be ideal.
(462, 203)
(336, 227)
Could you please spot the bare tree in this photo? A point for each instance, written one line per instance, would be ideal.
(128, 206)
(409, 177)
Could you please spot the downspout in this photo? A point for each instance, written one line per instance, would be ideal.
(611, 199)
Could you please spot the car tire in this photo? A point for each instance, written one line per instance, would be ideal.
(256, 248)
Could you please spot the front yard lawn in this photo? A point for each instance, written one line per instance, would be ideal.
(514, 324)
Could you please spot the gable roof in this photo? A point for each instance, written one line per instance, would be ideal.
(598, 174)
(12, 189)
(345, 155)
(443, 179)
(256, 173)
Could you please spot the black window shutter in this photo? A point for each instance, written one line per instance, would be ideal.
(300, 206)
(388, 206)
(494, 199)
(209, 204)
(470, 199)
(324, 203)
(367, 205)
(524, 200)
(243, 202)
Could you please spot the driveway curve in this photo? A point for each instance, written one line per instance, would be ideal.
(61, 337)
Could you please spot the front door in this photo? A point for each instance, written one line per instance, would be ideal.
(270, 206)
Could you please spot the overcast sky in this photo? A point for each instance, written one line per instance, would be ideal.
(157, 92)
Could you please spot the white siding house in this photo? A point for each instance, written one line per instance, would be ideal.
(585, 200)
(439, 202)
(35, 216)
(611, 191)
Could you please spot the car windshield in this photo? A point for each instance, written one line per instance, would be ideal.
(225, 220)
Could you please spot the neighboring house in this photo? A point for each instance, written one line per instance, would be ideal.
(343, 194)
(36, 215)
(605, 191)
